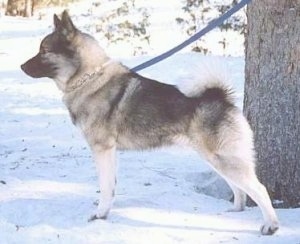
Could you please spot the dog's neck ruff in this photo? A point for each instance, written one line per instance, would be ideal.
(88, 76)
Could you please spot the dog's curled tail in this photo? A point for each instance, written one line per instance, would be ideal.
(210, 79)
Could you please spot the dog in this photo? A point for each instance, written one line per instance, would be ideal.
(116, 108)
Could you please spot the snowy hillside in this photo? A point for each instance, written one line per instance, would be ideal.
(48, 182)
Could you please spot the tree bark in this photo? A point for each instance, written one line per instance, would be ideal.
(15, 7)
(20, 8)
(28, 8)
(272, 95)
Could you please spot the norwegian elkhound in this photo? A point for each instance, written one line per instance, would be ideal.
(118, 109)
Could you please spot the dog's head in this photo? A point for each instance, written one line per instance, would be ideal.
(62, 53)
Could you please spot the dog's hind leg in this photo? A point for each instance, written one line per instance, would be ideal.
(106, 165)
(233, 158)
(243, 176)
(240, 198)
(228, 146)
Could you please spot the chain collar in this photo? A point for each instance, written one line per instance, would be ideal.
(88, 76)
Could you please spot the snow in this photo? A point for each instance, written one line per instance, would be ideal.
(48, 182)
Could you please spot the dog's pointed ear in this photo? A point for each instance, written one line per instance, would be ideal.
(56, 21)
(67, 22)
(65, 26)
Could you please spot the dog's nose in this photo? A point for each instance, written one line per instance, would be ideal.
(23, 67)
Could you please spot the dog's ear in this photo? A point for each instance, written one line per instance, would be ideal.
(67, 22)
(65, 26)
(56, 21)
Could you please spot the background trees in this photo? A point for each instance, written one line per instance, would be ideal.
(132, 23)
(272, 95)
(197, 13)
(26, 7)
(15, 7)
(123, 22)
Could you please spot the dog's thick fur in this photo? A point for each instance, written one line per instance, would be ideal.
(119, 109)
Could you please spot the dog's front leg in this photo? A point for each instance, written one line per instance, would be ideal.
(106, 165)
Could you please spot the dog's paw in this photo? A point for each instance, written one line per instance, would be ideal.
(236, 209)
(269, 228)
(101, 213)
(96, 203)
(96, 216)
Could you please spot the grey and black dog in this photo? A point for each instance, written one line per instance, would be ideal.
(118, 109)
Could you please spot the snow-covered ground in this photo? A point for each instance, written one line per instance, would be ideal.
(48, 183)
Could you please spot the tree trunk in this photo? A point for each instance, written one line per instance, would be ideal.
(28, 8)
(15, 7)
(272, 95)
(20, 8)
